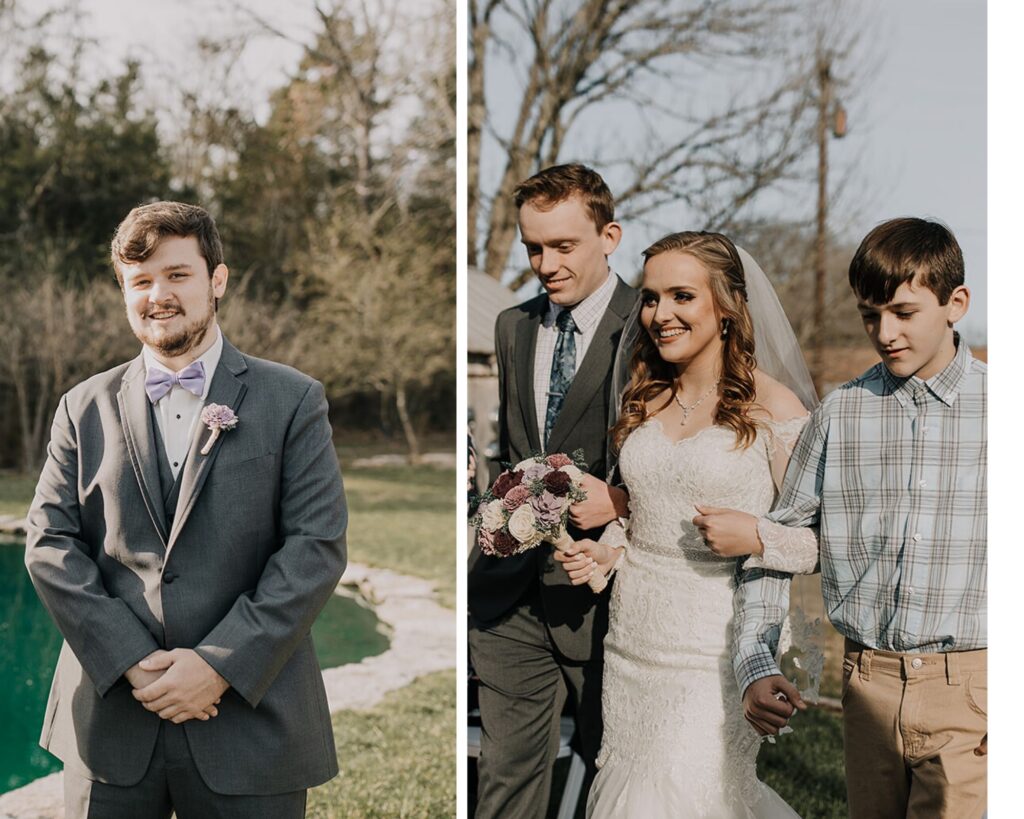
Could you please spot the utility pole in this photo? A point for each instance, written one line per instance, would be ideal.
(823, 71)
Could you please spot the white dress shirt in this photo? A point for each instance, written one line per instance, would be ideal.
(587, 315)
(178, 411)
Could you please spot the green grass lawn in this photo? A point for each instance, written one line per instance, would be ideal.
(16, 492)
(397, 760)
(806, 767)
(403, 518)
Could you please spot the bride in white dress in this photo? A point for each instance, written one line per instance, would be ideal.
(701, 429)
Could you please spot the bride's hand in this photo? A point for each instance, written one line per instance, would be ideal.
(728, 533)
(584, 558)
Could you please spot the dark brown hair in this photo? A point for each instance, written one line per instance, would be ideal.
(554, 185)
(145, 226)
(900, 249)
(650, 374)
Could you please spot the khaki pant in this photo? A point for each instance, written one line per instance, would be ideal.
(911, 723)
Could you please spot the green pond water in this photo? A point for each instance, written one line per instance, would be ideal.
(345, 632)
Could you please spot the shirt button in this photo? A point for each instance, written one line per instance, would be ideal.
(916, 663)
(910, 591)
(169, 577)
(178, 417)
(917, 537)
(175, 464)
(922, 483)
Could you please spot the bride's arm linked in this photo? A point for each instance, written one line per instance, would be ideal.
(589, 556)
(761, 600)
(783, 548)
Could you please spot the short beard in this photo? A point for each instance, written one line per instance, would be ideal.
(186, 339)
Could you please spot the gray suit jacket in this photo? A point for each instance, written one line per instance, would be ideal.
(254, 550)
(576, 617)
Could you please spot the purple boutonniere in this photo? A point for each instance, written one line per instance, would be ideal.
(216, 417)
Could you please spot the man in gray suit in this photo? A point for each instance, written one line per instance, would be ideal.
(535, 638)
(185, 568)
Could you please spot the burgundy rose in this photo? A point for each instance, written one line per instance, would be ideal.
(558, 460)
(557, 483)
(515, 497)
(505, 544)
(505, 481)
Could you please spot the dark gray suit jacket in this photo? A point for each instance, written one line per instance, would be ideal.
(255, 549)
(576, 617)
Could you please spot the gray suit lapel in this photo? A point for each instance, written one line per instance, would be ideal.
(225, 389)
(596, 365)
(525, 353)
(133, 406)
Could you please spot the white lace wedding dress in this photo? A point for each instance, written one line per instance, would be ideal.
(675, 741)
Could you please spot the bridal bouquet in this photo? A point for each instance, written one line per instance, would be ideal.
(529, 504)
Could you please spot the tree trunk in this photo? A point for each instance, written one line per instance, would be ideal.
(411, 440)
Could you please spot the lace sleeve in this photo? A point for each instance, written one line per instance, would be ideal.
(614, 534)
(786, 549)
(781, 439)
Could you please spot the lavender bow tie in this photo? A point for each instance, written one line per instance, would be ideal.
(159, 382)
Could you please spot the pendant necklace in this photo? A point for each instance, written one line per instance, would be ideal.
(687, 410)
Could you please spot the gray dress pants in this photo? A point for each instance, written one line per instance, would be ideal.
(172, 784)
(524, 682)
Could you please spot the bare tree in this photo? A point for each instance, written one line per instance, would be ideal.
(54, 336)
(588, 65)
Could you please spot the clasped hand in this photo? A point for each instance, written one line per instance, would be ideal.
(178, 685)
(728, 533)
(586, 557)
(769, 702)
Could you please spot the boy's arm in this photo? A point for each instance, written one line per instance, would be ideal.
(789, 533)
(760, 604)
(762, 595)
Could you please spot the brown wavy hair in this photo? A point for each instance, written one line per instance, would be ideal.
(650, 374)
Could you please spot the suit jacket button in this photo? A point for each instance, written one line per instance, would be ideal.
(169, 577)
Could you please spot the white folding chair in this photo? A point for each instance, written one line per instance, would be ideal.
(577, 770)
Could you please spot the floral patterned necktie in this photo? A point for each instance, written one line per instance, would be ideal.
(563, 368)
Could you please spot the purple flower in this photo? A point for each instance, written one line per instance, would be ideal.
(536, 472)
(547, 508)
(216, 417)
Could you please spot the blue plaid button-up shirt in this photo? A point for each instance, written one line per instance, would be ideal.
(891, 472)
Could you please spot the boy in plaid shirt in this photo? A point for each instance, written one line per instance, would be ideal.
(890, 474)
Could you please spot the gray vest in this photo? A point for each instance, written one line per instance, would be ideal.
(170, 487)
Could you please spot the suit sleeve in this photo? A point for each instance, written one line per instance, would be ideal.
(105, 635)
(254, 640)
(500, 350)
(761, 601)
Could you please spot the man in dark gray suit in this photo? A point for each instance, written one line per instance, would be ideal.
(535, 638)
(185, 567)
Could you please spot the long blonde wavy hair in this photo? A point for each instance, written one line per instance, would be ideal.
(651, 375)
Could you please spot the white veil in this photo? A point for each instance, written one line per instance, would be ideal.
(775, 346)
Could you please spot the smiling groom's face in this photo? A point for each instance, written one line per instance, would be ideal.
(169, 297)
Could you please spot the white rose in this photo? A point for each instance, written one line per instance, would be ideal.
(573, 471)
(523, 525)
(523, 465)
(493, 516)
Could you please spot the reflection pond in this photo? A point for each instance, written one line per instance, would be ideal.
(345, 632)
